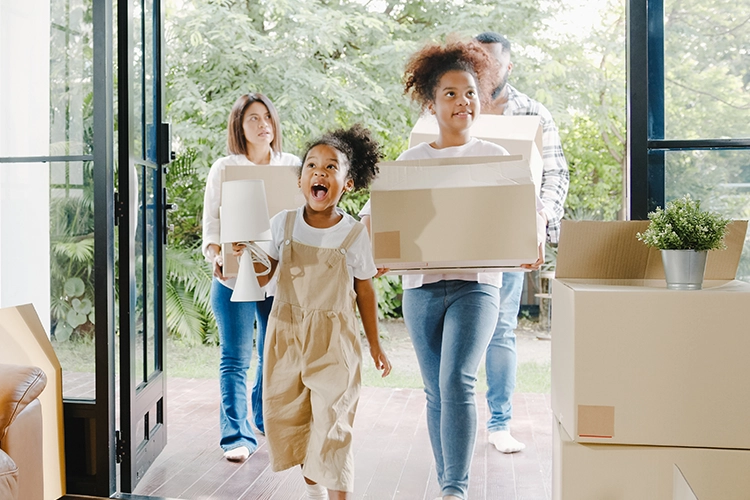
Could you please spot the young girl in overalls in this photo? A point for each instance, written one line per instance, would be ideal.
(324, 265)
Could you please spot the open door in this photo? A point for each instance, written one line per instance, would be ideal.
(144, 151)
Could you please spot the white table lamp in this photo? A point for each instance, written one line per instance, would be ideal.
(244, 219)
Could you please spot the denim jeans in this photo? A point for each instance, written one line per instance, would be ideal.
(450, 324)
(262, 311)
(235, 322)
(500, 362)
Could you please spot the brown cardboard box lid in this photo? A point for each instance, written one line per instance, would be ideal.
(520, 135)
(610, 250)
(522, 128)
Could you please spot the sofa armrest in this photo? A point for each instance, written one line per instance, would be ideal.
(19, 386)
(23, 443)
(8, 477)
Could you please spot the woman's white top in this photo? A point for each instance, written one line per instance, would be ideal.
(212, 201)
(359, 259)
(475, 147)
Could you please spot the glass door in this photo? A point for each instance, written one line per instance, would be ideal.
(144, 151)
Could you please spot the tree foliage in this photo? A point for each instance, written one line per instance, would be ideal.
(331, 63)
(324, 64)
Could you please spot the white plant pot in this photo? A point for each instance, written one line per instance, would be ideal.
(684, 269)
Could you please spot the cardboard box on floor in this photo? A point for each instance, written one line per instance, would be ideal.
(582, 471)
(437, 215)
(635, 363)
(282, 193)
(520, 135)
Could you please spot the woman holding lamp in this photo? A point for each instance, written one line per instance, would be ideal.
(253, 138)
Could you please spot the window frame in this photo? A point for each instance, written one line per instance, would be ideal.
(647, 148)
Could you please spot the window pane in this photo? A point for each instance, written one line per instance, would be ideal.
(46, 94)
(140, 278)
(47, 249)
(137, 129)
(706, 60)
(719, 179)
(71, 230)
(149, 81)
(25, 237)
(71, 84)
(24, 78)
(152, 270)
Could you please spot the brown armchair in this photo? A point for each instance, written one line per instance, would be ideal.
(21, 473)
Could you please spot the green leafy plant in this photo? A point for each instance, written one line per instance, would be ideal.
(72, 262)
(684, 226)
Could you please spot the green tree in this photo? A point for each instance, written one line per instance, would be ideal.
(324, 64)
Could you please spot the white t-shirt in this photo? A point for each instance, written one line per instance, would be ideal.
(212, 200)
(475, 147)
(359, 259)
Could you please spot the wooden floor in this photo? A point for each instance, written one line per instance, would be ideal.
(393, 458)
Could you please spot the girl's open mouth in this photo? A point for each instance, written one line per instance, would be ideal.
(319, 192)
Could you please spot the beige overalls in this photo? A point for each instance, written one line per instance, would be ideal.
(311, 371)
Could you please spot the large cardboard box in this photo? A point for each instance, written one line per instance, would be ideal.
(617, 472)
(635, 363)
(437, 215)
(520, 135)
(282, 193)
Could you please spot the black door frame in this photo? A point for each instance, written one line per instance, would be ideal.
(143, 432)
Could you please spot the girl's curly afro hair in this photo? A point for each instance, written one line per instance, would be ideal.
(425, 68)
(360, 148)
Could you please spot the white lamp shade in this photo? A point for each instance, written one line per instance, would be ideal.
(244, 211)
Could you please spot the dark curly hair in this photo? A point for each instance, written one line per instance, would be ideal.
(425, 68)
(362, 152)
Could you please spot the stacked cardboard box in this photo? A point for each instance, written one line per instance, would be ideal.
(645, 378)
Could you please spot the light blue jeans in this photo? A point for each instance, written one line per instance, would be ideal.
(235, 322)
(450, 324)
(500, 362)
(262, 311)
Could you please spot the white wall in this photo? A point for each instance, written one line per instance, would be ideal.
(24, 131)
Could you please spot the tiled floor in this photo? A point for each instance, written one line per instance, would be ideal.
(393, 458)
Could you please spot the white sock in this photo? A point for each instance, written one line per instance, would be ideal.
(239, 454)
(316, 492)
(505, 443)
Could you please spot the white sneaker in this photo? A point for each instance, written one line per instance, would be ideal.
(239, 454)
(505, 443)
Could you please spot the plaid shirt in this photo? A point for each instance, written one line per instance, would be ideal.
(555, 175)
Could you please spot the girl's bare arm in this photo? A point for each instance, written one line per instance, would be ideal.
(368, 310)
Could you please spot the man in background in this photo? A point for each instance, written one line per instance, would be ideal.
(501, 358)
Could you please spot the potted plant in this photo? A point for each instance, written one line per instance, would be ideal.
(684, 233)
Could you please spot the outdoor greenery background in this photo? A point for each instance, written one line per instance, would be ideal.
(330, 63)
